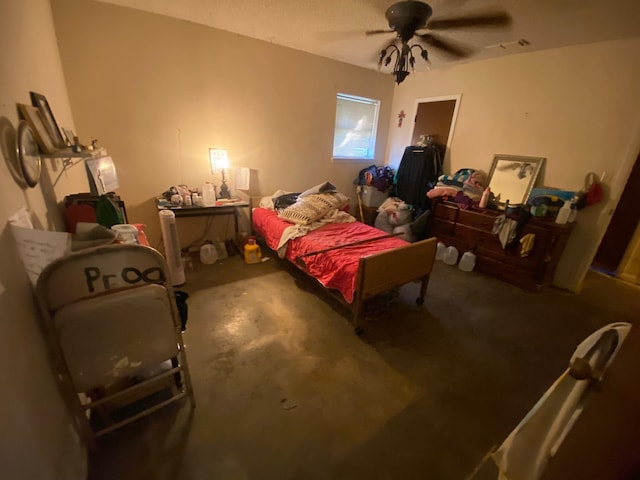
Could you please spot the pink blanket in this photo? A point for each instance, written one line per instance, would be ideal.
(336, 269)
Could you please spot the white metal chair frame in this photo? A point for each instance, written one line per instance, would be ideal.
(91, 276)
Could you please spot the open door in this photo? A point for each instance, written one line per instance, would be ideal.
(436, 117)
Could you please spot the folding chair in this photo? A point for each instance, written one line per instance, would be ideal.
(113, 330)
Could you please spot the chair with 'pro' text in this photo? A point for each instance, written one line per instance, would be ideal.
(111, 322)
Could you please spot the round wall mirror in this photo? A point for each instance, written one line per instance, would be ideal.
(28, 154)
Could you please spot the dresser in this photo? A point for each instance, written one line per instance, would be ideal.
(472, 229)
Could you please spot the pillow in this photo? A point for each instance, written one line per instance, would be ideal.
(313, 207)
(267, 202)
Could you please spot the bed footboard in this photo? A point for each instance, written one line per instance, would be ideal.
(384, 271)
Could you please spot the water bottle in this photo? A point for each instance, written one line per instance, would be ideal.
(451, 255)
(467, 262)
(564, 212)
(440, 249)
(574, 211)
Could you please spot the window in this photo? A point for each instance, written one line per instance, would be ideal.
(356, 126)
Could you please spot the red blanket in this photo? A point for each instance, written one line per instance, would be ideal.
(337, 269)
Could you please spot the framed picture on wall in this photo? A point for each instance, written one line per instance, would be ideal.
(34, 118)
(71, 137)
(39, 101)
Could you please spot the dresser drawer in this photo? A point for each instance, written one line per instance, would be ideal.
(473, 229)
(485, 243)
(470, 218)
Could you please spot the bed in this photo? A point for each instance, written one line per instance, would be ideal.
(353, 261)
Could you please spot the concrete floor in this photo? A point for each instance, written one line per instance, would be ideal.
(286, 390)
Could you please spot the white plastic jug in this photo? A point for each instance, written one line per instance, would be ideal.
(208, 254)
(467, 262)
(126, 233)
(440, 249)
(451, 255)
(208, 195)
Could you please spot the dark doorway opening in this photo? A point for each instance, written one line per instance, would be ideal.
(622, 226)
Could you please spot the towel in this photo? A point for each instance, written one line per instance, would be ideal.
(526, 244)
(241, 177)
(505, 229)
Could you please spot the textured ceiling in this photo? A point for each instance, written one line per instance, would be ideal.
(335, 28)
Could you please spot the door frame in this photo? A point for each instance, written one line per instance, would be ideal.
(454, 117)
(616, 185)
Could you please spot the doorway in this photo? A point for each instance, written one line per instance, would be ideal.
(624, 223)
(436, 117)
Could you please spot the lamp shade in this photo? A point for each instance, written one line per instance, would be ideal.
(219, 159)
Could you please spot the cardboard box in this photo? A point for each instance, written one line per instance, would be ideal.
(372, 197)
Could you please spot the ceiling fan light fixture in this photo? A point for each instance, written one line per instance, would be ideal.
(407, 17)
(405, 60)
(383, 53)
(400, 76)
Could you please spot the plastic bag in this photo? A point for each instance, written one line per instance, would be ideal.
(595, 193)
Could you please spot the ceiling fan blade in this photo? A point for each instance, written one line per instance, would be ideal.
(450, 48)
(376, 32)
(495, 19)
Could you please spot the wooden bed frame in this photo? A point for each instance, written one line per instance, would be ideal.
(384, 271)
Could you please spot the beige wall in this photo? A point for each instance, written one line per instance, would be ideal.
(576, 106)
(158, 92)
(36, 437)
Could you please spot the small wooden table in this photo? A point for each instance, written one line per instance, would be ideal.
(222, 208)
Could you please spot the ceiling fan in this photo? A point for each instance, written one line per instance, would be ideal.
(406, 18)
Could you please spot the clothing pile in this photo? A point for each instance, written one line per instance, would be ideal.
(464, 187)
(378, 177)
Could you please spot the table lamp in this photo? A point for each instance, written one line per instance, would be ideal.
(219, 162)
